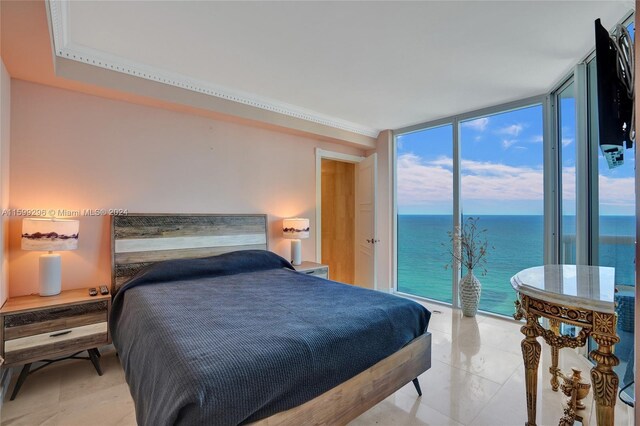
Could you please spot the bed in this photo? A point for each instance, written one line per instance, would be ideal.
(211, 328)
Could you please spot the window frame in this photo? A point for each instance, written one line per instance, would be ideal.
(455, 121)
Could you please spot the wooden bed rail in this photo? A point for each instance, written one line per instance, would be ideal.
(345, 402)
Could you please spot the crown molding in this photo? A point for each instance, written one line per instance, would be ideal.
(65, 48)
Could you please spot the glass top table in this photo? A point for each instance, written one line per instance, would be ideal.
(574, 294)
(589, 287)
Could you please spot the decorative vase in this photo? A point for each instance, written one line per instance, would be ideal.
(470, 289)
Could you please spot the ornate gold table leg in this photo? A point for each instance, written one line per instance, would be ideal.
(531, 354)
(554, 325)
(603, 379)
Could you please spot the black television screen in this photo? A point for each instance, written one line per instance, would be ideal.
(614, 104)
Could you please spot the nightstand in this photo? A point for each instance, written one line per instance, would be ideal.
(311, 268)
(53, 328)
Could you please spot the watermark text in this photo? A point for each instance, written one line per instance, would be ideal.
(64, 212)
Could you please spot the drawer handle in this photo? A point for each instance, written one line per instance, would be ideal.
(310, 272)
(61, 333)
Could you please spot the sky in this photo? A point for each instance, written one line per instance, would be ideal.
(502, 167)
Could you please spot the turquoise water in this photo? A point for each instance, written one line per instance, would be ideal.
(517, 242)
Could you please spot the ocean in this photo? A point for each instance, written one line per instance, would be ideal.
(518, 244)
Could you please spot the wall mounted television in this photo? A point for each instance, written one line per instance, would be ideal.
(615, 106)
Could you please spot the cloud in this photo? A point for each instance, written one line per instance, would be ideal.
(567, 141)
(479, 124)
(422, 182)
(569, 183)
(507, 143)
(616, 195)
(500, 182)
(537, 139)
(426, 183)
(616, 191)
(443, 161)
(512, 130)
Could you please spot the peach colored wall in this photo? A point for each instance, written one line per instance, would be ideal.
(75, 151)
(384, 211)
(5, 134)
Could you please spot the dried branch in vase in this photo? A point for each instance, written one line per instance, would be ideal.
(469, 246)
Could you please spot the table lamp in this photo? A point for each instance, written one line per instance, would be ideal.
(295, 229)
(49, 235)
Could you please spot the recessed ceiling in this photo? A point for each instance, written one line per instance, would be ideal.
(362, 66)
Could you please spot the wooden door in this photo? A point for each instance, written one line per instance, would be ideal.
(365, 244)
(338, 219)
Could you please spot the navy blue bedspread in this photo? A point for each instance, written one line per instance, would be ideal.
(238, 337)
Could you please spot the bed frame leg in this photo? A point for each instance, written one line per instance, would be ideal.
(416, 383)
(23, 376)
(94, 356)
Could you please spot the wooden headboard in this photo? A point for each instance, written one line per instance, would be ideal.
(139, 240)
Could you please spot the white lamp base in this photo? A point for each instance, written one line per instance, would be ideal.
(296, 252)
(50, 274)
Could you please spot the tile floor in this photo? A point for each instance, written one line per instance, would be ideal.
(476, 378)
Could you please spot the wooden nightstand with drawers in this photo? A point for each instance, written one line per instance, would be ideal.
(49, 329)
(312, 268)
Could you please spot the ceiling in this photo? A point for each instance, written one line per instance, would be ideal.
(361, 66)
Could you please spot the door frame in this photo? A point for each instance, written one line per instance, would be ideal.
(322, 154)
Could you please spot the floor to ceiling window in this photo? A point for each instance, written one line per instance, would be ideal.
(566, 116)
(424, 171)
(502, 184)
(496, 157)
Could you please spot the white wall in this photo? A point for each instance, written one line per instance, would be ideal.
(75, 151)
